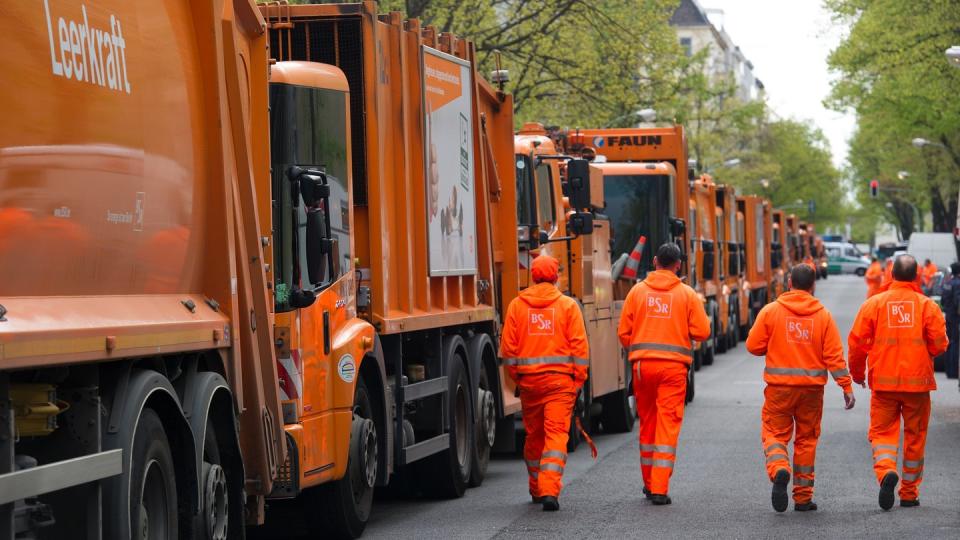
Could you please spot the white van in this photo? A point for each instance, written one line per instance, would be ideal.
(938, 247)
(845, 258)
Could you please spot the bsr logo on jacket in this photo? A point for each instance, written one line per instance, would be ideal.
(658, 305)
(541, 322)
(900, 314)
(800, 330)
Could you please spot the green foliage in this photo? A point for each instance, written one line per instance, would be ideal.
(894, 75)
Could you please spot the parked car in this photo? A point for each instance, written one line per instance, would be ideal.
(845, 258)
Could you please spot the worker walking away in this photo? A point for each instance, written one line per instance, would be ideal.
(950, 299)
(802, 344)
(873, 277)
(660, 317)
(895, 336)
(544, 346)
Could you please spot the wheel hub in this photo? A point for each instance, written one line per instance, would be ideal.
(365, 451)
(488, 415)
(215, 501)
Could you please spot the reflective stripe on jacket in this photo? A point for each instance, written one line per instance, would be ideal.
(801, 342)
(660, 317)
(544, 332)
(896, 335)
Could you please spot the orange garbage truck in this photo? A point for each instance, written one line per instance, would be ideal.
(779, 254)
(544, 178)
(706, 221)
(758, 229)
(646, 188)
(732, 255)
(210, 292)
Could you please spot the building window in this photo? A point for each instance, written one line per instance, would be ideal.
(687, 45)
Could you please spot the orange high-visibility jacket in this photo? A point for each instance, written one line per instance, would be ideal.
(873, 277)
(544, 332)
(801, 341)
(928, 272)
(896, 334)
(660, 316)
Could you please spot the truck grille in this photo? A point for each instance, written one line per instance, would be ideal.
(338, 42)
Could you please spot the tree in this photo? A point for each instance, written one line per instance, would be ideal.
(895, 77)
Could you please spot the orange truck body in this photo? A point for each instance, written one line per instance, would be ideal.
(779, 256)
(706, 220)
(240, 251)
(585, 271)
(758, 230)
(732, 259)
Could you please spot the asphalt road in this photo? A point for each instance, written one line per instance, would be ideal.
(719, 488)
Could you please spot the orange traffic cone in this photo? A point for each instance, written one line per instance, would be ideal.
(633, 263)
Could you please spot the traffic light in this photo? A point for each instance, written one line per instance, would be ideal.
(874, 188)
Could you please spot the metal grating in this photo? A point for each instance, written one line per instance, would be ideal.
(338, 42)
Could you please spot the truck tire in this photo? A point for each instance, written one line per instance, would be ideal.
(341, 509)
(698, 357)
(723, 338)
(485, 425)
(619, 408)
(710, 346)
(153, 482)
(691, 385)
(213, 522)
(446, 474)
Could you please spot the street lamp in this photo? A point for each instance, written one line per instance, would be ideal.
(732, 162)
(902, 175)
(920, 142)
(953, 55)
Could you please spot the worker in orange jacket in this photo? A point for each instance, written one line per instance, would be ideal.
(896, 335)
(544, 347)
(802, 344)
(926, 276)
(873, 277)
(887, 274)
(660, 317)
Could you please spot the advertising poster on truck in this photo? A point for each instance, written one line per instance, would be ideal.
(451, 226)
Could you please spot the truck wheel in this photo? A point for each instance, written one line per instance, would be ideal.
(698, 357)
(619, 408)
(691, 386)
(341, 508)
(485, 431)
(213, 521)
(447, 473)
(153, 482)
(710, 346)
(723, 338)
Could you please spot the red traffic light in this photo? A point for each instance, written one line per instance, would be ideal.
(874, 188)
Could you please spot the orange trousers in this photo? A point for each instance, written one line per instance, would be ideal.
(886, 410)
(660, 388)
(789, 411)
(547, 400)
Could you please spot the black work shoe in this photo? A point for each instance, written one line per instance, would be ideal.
(909, 503)
(550, 504)
(887, 485)
(779, 494)
(660, 500)
(805, 507)
(646, 492)
(536, 500)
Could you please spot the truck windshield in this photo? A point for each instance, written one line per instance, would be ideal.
(526, 198)
(308, 129)
(635, 206)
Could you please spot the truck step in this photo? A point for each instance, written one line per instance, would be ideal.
(425, 448)
(423, 389)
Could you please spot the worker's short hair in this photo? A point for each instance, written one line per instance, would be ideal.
(905, 268)
(802, 277)
(669, 254)
(955, 268)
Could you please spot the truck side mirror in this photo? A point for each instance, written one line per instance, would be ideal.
(677, 227)
(578, 183)
(318, 245)
(581, 223)
(544, 238)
